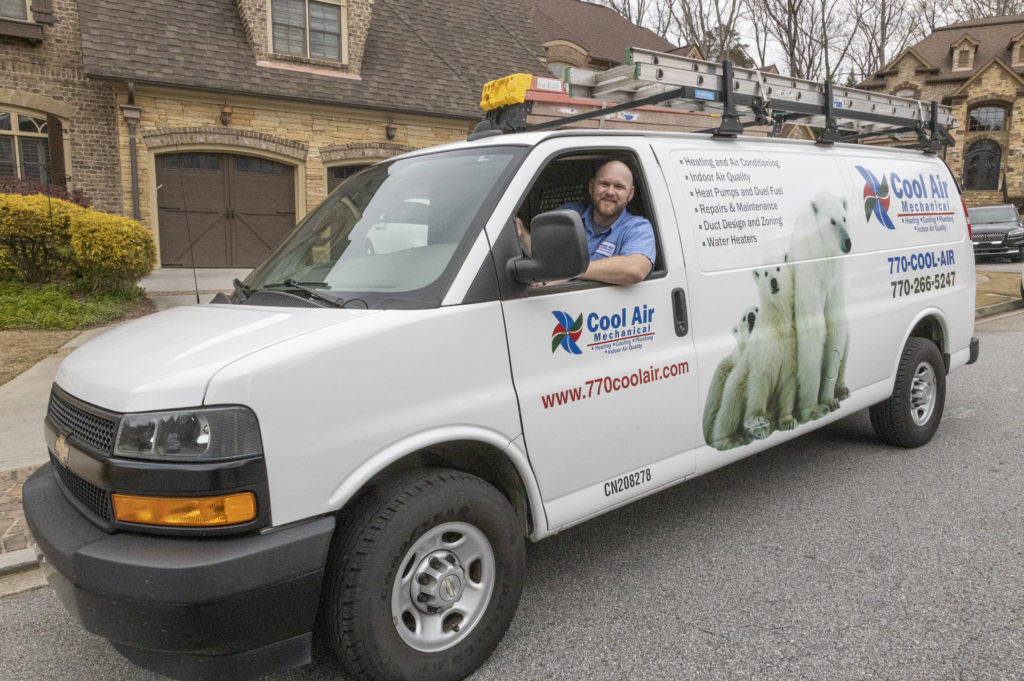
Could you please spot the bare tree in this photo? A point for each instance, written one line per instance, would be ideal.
(711, 25)
(964, 10)
(787, 25)
(654, 15)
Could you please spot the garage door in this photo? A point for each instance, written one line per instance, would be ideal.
(222, 210)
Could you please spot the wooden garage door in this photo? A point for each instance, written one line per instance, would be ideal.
(222, 210)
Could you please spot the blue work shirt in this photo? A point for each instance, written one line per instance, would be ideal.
(629, 234)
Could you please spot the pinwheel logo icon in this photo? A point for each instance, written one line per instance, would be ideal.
(566, 333)
(876, 198)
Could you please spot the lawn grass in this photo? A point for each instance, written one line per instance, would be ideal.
(55, 306)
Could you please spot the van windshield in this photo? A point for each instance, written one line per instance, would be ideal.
(986, 214)
(393, 235)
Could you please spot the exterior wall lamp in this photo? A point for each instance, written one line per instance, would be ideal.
(390, 130)
(225, 115)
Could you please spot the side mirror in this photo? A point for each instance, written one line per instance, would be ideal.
(559, 247)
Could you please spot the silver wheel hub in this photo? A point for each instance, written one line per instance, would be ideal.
(922, 394)
(443, 586)
(438, 583)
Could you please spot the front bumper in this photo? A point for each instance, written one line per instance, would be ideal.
(229, 607)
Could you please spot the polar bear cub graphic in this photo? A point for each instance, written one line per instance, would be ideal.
(760, 392)
(740, 333)
(820, 236)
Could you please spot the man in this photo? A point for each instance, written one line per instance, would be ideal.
(621, 245)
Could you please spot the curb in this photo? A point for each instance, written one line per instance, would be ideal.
(18, 561)
(1006, 306)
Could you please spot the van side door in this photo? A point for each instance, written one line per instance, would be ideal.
(605, 375)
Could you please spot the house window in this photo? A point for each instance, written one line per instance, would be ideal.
(963, 58)
(338, 174)
(309, 28)
(986, 118)
(907, 92)
(24, 146)
(981, 165)
(14, 9)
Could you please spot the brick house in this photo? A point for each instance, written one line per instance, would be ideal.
(977, 67)
(218, 123)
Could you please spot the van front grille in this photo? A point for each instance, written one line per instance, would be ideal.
(92, 497)
(93, 430)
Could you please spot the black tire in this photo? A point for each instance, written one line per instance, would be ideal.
(425, 526)
(1019, 257)
(910, 417)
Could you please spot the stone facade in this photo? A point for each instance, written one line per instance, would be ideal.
(47, 78)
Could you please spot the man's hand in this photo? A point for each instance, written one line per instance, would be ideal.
(524, 237)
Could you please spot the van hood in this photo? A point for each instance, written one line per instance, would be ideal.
(166, 360)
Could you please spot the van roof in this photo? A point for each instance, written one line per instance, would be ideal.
(531, 139)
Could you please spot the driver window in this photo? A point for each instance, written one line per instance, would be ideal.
(565, 181)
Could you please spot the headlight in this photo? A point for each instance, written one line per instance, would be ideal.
(1016, 231)
(190, 435)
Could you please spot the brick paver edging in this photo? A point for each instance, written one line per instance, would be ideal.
(14, 534)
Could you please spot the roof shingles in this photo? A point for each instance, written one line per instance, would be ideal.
(417, 58)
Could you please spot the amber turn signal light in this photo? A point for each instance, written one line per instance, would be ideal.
(230, 509)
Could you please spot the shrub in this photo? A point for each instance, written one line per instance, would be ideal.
(35, 241)
(111, 252)
(16, 185)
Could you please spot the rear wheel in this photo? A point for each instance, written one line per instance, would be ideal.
(910, 417)
(424, 578)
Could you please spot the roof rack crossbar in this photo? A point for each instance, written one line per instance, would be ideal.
(739, 95)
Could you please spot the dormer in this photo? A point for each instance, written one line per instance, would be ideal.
(963, 52)
(322, 35)
(1016, 48)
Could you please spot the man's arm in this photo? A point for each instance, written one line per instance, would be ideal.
(619, 269)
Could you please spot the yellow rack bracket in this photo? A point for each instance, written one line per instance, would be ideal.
(504, 91)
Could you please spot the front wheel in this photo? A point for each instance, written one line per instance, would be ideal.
(910, 417)
(423, 578)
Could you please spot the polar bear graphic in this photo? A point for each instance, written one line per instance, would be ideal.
(740, 333)
(760, 393)
(820, 236)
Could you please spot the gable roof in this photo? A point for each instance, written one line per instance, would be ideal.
(996, 63)
(992, 35)
(416, 59)
(604, 33)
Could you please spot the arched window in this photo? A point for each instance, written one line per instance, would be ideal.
(981, 165)
(986, 118)
(24, 146)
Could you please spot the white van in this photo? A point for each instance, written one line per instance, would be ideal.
(360, 440)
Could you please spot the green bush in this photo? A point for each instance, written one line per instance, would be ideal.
(57, 306)
(112, 252)
(35, 241)
(48, 240)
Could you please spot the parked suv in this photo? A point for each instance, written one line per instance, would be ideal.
(997, 230)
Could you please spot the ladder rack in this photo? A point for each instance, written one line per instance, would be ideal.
(742, 97)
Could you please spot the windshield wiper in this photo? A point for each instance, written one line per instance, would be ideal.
(306, 287)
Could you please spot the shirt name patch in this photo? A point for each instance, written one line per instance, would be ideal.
(606, 248)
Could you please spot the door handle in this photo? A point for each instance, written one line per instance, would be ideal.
(682, 321)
